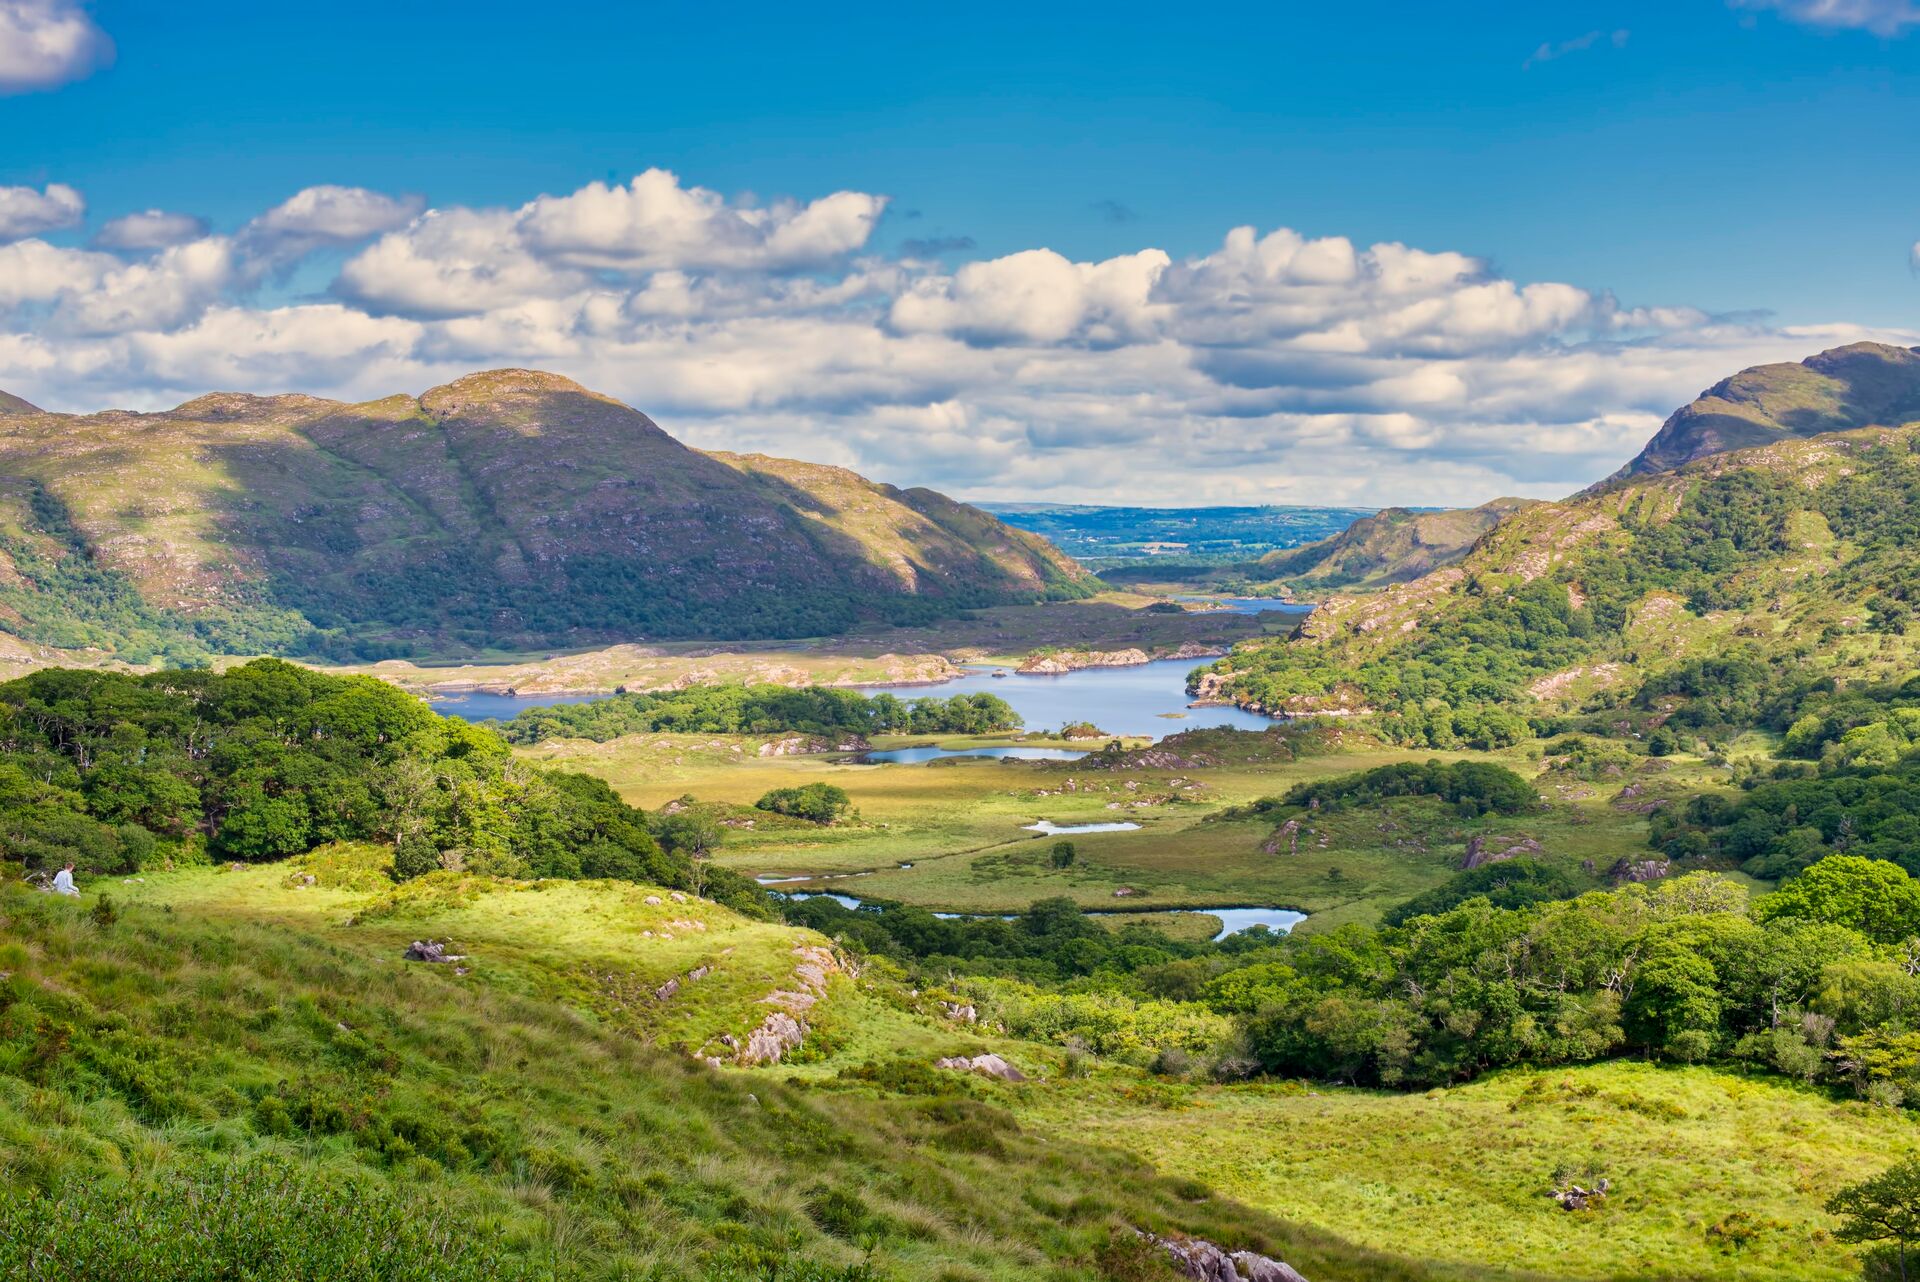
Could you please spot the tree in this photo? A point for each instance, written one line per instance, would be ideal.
(1872, 896)
(1883, 1208)
(1063, 854)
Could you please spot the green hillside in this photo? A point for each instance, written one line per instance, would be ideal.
(1391, 546)
(1794, 557)
(1859, 385)
(509, 509)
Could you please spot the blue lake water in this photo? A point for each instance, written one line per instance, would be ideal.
(479, 706)
(1148, 700)
(1232, 920)
(1248, 604)
(911, 756)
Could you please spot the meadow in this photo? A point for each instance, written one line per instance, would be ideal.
(960, 823)
(219, 1017)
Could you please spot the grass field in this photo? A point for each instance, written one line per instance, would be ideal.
(960, 823)
(224, 1017)
(218, 993)
(1714, 1176)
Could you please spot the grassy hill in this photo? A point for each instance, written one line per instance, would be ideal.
(510, 508)
(239, 1066)
(1796, 556)
(1859, 385)
(1391, 546)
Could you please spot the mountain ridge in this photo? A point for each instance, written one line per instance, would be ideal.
(506, 506)
(1858, 385)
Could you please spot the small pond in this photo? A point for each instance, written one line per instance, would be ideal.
(1052, 829)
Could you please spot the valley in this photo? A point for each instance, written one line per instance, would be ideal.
(1538, 902)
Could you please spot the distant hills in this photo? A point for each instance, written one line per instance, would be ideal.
(1391, 546)
(509, 509)
(1859, 385)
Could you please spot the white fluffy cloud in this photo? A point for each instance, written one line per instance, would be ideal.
(1881, 17)
(47, 43)
(654, 223)
(1277, 367)
(326, 216)
(148, 230)
(26, 212)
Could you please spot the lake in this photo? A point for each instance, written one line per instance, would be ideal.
(477, 705)
(1148, 700)
(911, 756)
(1232, 920)
(1249, 604)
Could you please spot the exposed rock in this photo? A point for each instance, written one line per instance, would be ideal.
(785, 1028)
(778, 1033)
(1202, 1261)
(986, 1065)
(1064, 661)
(1628, 870)
(1290, 831)
(430, 951)
(960, 1012)
(1483, 850)
(1575, 1198)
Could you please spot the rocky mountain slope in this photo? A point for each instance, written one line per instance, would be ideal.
(1391, 546)
(506, 509)
(1794, 558)
(1859, 385)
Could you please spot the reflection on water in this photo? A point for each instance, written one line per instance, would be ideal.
(1052, 829)
(1247, 604)
(477, 705)
(1133, 701)
(1147, 700)
(908, 756)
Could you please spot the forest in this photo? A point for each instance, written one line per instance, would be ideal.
(762, 709)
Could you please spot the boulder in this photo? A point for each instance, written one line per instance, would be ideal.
(986, 1065)
(430, 951)
(1202, 1261)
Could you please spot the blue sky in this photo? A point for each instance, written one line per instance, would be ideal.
(1750, 165)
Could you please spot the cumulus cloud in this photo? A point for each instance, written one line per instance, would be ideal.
(149, 230)
(169, 291)
(655, 223)
(1276, 367)
(47, 43)
(324, 216)
(1036, 296)
(26, 212)
(1881, 17)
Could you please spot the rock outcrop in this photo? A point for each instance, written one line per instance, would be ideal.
(986, 1065)
(1202, 1261)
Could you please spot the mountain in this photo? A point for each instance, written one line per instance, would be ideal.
(507, 509)
(1734, 578)
(1391, 546)
(1859, 385)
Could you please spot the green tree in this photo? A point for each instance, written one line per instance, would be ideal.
(1063, 854)
(1872, 896)
(1883, 1208)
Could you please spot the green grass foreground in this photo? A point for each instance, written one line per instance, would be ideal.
(228, 1076)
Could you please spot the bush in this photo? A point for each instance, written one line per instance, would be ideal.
(820, 803)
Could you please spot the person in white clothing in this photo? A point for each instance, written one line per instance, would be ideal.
(63, 882)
